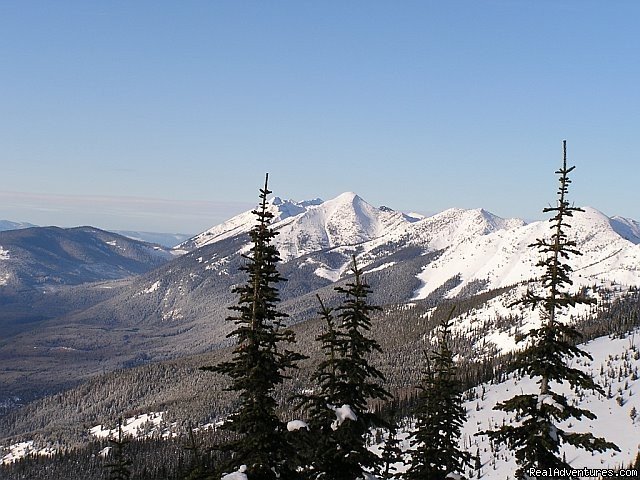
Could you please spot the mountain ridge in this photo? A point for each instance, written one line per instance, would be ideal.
(180, 307)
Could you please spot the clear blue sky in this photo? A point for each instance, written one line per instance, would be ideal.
(164, 115)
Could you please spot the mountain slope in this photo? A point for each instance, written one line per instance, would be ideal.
(9, 225)
(503, 257)
(43, 271)
(50, 256)
(168, 240)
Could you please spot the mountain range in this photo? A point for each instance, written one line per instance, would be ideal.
(164, 305)
(177, 306)
(79, 303)
(168, 240)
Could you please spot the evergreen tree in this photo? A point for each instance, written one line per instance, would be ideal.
(391, 451)
(259, 360)
(536, 436)
(318, 450)
(477, 463)
(338, 412)
(440, 415)
(119, 469)
(197, 470)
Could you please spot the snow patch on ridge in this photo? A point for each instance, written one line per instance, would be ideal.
(146, 425)
(381, 267)
(20, 450)
(4, 276)
(152, 288)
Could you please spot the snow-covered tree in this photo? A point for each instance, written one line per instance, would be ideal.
(537, 435)
(391, 450)
(340, 417)
(259, 360)
(440, 414)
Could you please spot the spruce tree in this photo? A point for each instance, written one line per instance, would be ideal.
(440, 415)
(537, 434)
(318, 447)
(339, 415)
(358, 382)
(120, 468)
(259, 360)
(391, 450)
(197, 470)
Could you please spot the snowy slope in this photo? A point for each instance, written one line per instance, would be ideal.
(503, 257)
(615, 366)
(442, 231)
(477, 245)
(314, 225)
(242, 223)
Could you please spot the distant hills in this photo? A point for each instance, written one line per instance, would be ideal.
(46, 272)
(8, 225)
(168, 240)
(165, 239)
(41, 257)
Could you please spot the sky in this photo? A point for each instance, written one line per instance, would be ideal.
(164, 116)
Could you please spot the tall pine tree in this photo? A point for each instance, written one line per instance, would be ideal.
(120, 468)
(318, 447)
(259, 360)
(440, 415)
(197, 470)
(539, 430)
(391, 450)
(339, 415)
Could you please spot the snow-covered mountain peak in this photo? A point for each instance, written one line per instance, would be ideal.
(344, 220)
(494, 222)
(457, 225)
(627, 228)
(347, 197)
(281, 210)
(311, 225)
(590, 216)
(503, 257)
